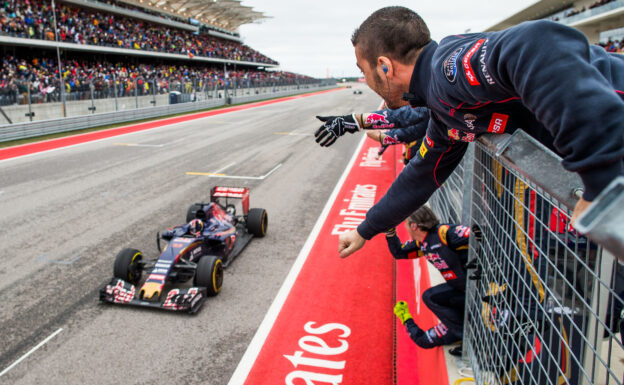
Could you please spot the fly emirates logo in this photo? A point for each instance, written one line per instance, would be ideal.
(362, 199)
(321, 352)
(372, 158)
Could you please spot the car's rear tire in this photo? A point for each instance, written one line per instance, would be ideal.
(127, 266)
(209, 274)
(257, 222)
(192, 211)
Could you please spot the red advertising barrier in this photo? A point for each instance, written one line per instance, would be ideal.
(332, 321)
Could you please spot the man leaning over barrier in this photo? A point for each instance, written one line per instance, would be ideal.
(403, 125)
(540, 76)
(446, 248)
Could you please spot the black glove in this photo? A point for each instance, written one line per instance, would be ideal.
(333, 127)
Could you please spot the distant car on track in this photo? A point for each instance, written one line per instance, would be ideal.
(357, 92)
(213, 236)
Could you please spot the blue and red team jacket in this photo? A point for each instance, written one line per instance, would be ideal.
(540, 76)
(445, 247)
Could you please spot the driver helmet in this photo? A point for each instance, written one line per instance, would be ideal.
(195, 227)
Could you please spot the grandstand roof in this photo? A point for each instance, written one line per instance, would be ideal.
(226, 14)
(538, 10)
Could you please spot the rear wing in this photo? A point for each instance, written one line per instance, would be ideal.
(242, 193)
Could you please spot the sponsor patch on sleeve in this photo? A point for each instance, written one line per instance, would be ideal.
(462, 231)
(442, 230)
(498, 123)
(470, 74)
(423, 150)
(449, 275)
(449, 66)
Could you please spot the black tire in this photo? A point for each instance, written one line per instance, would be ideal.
(127, 266)
(257, 222)
(192, 210)
(209, 274)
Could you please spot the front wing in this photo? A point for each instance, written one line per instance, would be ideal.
(121, 292)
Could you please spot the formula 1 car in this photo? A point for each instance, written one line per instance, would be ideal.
(212, 238)
(357, 92)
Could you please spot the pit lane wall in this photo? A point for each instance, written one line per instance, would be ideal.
(544, 302)
(118, 110)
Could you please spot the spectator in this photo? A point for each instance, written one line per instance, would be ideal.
(27, 18)
(78, 73)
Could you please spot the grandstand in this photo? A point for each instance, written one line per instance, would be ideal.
(602, 21)
(106, 49)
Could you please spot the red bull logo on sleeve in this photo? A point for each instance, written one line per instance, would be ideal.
(377, 120)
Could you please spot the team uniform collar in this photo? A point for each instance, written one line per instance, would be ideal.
(419, 84)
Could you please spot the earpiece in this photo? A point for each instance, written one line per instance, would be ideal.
(384, 68)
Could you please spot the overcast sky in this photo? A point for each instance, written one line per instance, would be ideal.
(312, 37)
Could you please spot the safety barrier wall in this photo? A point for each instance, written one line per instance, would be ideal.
(24, 130)
(542, 304)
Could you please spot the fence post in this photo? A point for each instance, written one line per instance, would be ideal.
(467, 179)
(595, 329)
(136, 93)
(92, 108)
(115, 91)
(30, 114)
(154, 92)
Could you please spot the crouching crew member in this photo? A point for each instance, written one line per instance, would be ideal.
(446, 247)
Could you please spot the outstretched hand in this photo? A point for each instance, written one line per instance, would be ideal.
(349, 243)
(334, 127)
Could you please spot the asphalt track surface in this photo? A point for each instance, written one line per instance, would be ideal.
(66, 213)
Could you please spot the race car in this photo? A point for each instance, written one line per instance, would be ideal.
(357, 92)
(200, 249)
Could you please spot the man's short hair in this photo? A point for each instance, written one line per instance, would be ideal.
(424, 218)
(396, 32)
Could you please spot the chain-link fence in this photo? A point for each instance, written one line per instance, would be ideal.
(543, 302)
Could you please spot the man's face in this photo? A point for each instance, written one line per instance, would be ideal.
(383, 87)
(414, 232)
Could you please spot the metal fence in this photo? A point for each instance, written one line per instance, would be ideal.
(124, 110)
(543, 303)
(27, 100)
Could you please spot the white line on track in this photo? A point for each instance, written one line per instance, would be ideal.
(139, 145)
(219, 175)
(292, 133)
(225, 167)
(251, 354)
(31, 351)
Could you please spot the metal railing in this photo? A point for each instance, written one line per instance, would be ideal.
(543, 303)
(147, 103)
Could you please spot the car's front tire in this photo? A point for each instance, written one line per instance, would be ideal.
(127, 266)
(209, 274)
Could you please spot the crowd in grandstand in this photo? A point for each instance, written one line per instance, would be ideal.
(614, 46)
(34, 19)
(576, 11)
(120, 79)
